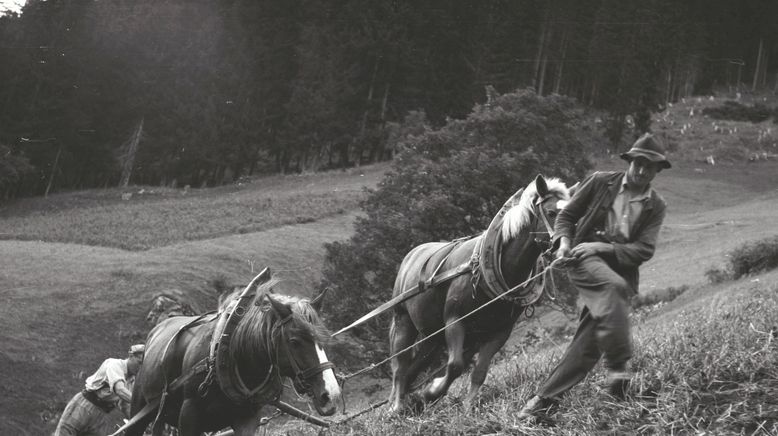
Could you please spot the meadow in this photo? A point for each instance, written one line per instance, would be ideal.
(80, 270)
(139, 218)
(706, 367)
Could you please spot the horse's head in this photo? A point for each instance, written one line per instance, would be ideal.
(552, 196)
(537, 209)
(298, 334)
(166, 305)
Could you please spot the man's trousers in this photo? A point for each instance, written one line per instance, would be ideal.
(603, 328)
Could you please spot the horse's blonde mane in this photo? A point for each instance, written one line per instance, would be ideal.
(255, 331)
(519, 216)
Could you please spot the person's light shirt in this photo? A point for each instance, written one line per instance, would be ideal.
(625, 211)
(103, 381)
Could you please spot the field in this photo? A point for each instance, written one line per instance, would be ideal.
(80, 269)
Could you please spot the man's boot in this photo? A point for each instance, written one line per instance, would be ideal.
(618, 383)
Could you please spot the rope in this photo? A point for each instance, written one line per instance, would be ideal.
(467, 315)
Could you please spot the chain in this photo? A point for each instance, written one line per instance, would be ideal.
(266, 419)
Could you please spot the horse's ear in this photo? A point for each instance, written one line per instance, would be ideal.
(571, 190)
(540, 186)
(279, 307)
(319, 299)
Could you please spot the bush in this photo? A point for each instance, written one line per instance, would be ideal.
(718, 275)
(448, 183)
(734, 111)
(642, 300)
(750, 258)
(13, 168)
(754, 257)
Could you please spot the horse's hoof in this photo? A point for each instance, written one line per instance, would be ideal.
(416, 403)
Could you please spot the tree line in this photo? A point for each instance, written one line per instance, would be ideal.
(173, 92)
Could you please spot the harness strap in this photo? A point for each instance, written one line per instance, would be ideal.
(448, 248)
(166, 389)
(314, 370)
(199, 368)
(409, 293)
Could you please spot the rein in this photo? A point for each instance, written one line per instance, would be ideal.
(372, 366)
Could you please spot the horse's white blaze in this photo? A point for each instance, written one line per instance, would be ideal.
(330, 382)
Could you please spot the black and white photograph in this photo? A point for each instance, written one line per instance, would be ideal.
(388, 217)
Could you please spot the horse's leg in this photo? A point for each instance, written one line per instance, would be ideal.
(189, 419)
(401, 335)
(247, 425)
(455, 340)
(424, 355)
(485, 353)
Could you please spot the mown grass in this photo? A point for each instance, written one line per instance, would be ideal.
(694, 134)
(155, 217)
(708, 367)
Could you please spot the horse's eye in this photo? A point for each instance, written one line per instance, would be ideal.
(552, 214)
(294, 342)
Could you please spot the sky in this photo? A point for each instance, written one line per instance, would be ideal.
(11, 5)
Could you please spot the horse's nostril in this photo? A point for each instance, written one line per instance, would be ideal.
(325, 398)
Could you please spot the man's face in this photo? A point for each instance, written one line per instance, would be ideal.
(641, 172)
(133, 363)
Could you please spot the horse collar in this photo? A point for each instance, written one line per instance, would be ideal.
(486, 260)
(223, 364)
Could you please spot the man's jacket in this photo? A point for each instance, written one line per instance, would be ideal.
(585, 217)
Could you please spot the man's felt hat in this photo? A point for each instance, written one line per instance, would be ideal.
(137, 349)
(649, 147)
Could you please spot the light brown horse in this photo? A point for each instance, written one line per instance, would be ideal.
(522, 234)
(278, 336)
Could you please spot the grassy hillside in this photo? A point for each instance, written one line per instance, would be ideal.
(141, 217)
(80, 269)
(67, 306)
(705, 367)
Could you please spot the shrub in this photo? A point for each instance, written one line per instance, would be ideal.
(670, 294)
(718, 275)
(754, 257)
(750, 258)
(734, 111)
(447, 183)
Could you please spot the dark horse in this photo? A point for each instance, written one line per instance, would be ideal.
(488, 329)
(277, 336)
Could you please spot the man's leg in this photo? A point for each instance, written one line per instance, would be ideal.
(605, 293)
(602, 329)
(77, 417)
(579, 358)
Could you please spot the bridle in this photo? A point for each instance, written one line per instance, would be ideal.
(302, 377)
(541, 212)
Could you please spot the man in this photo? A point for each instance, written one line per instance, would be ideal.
(607, 230)
(88, 412)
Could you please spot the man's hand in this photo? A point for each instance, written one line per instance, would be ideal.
(564, 248)
(586, 249)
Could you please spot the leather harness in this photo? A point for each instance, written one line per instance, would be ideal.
(484, 265)
(220, 365)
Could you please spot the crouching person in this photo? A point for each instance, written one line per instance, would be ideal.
(88, 412)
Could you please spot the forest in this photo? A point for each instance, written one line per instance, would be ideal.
(170, 92)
